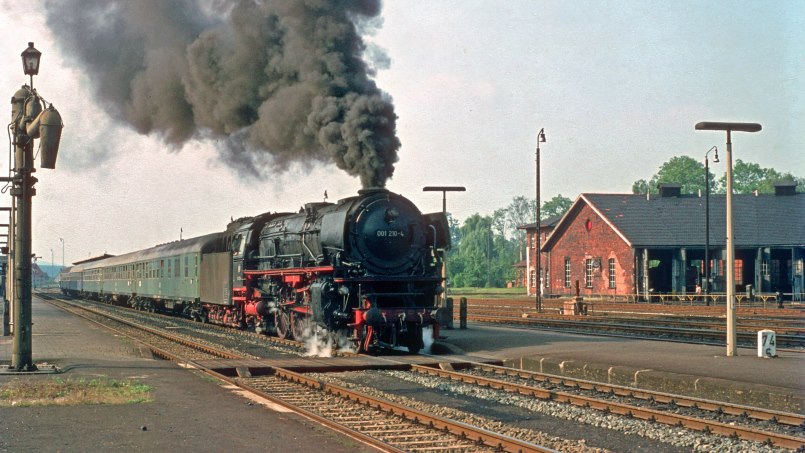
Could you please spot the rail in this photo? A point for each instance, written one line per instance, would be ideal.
(445, 434)
(641, 410)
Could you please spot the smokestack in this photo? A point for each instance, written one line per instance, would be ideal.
(272, 83)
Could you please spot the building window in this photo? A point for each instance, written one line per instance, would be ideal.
(534, 278)
(567, 272)
(612, 273)
(739, 272)
(588, 273)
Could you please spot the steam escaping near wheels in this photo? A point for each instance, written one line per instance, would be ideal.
(427, 338)
(321, 343)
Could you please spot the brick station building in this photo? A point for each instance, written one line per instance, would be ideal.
(633, 246)
(528, 273)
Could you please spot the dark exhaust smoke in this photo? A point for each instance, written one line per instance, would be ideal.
(272, 83)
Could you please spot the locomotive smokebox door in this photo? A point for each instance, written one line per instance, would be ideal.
(387, 234)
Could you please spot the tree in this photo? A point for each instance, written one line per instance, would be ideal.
(748, 177)
(641, 186)
(521, 211)
(484, 257)
(556, 206)
(683, 170)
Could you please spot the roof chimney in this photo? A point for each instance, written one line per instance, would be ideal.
(668, 190)
(785, 188)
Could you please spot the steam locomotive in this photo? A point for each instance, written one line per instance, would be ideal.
(367, 269)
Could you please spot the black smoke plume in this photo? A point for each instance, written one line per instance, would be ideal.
(271, 82)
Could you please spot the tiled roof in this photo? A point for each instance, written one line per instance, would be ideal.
(763, 220)
(550, 222)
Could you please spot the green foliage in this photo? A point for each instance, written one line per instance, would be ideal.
(557, 205)
(485, 248)
(683, 170)
(748, 177)
(483, 258)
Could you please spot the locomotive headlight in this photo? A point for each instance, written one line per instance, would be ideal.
(343, 290)
(391, 215)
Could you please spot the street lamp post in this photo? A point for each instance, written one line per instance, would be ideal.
(538, 246)
(732, 336)
(707, 277)
(444, 190)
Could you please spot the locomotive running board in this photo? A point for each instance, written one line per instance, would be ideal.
(290, 271)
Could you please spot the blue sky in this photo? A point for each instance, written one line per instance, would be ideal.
(618, 87)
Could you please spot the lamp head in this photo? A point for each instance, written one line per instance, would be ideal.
(541, 135)
(30, 60)
(719, 126)
(715, 158)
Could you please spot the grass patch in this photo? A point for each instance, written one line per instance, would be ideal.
(72, 392)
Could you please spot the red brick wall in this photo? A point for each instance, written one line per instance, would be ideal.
(600, 241)
(532, 263)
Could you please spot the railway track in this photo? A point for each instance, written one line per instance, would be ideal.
(241, 342)
(702, 329)
(654, 308)
(780, 325)
(776, 428)
(374, 421)
(708, 336)
(392, 422)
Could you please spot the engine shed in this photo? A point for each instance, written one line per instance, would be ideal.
(638, 246)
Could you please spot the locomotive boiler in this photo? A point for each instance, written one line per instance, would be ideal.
(365, 269)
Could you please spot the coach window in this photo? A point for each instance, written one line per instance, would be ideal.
(195, 267)
(176, 267)
(161, 268)
(186, 265)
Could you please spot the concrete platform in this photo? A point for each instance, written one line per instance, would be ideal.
(189, 412)
(693, 370)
